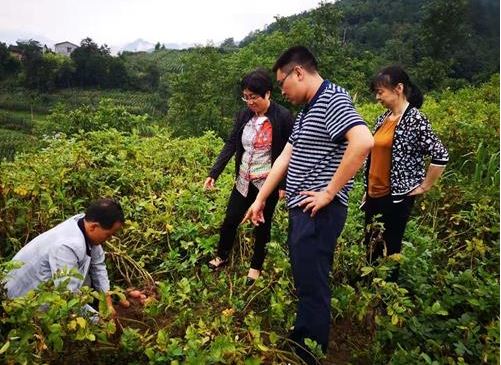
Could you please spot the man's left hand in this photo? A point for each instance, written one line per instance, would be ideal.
(315, 201)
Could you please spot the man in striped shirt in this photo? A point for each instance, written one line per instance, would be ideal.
(328, 145)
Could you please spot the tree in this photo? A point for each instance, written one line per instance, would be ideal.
(65, 71)
(32, 63)
(463, 35)
(91, 63)
(55, 71)
(444, 27)
(116, 73)
(326, 20)
(228, 45)
(198, 100)
(152, 76)
(8, 64)
(94, 66)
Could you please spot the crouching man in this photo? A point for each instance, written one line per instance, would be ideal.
(73, 244)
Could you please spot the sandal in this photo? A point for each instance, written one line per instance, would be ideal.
(250, 280)
(217, 263)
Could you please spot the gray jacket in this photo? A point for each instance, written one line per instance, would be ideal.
(60, 247)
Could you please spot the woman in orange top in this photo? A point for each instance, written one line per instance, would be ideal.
(395, 170)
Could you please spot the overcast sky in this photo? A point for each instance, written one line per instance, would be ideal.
(116, 22)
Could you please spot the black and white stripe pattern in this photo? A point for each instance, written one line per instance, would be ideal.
(319, 144)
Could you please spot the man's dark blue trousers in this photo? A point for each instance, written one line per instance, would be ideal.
(311, 244)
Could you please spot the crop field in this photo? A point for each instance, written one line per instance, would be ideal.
(443, 310)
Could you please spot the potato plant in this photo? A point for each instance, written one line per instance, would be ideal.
(443, 310)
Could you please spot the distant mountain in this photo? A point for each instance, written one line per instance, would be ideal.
(10, 37)
(178, 45)
(139, 45)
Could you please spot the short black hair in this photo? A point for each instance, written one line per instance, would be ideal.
(258, 81)
(106, 212)
(296, 56)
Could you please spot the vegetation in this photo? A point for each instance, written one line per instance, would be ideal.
(444, 309)
(145, 128)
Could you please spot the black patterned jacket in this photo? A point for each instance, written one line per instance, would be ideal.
(413, 140)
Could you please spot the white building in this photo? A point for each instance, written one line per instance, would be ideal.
(65, 48)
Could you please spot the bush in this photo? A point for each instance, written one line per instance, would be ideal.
(443, 310)
(107, 115)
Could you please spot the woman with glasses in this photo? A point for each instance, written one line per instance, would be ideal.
(259, 134)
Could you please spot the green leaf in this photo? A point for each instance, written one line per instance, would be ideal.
(366, 270)
(72, 302)
(273, 337)
(91, 337)
(81, 322)
(72, 325)
(252, 361)
(394, 319)
(262, 347)
(150, 353)
(425, 357)
(55, 327)
(5, 347)
(435, 307)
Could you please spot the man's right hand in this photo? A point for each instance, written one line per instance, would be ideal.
(209, 183)
(109, 304)
(255, 213)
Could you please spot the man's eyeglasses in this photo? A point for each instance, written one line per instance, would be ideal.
(281, 82)
(249, 98)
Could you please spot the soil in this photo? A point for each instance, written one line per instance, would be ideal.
(349, 341)
(132, 316)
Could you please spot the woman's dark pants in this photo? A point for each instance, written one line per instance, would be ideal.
(394, 217)
(235, 211)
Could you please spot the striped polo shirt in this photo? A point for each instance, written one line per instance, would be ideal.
(318, 143)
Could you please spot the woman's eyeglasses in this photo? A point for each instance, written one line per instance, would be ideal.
(249, 98)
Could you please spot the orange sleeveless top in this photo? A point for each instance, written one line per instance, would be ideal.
(379, 171)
